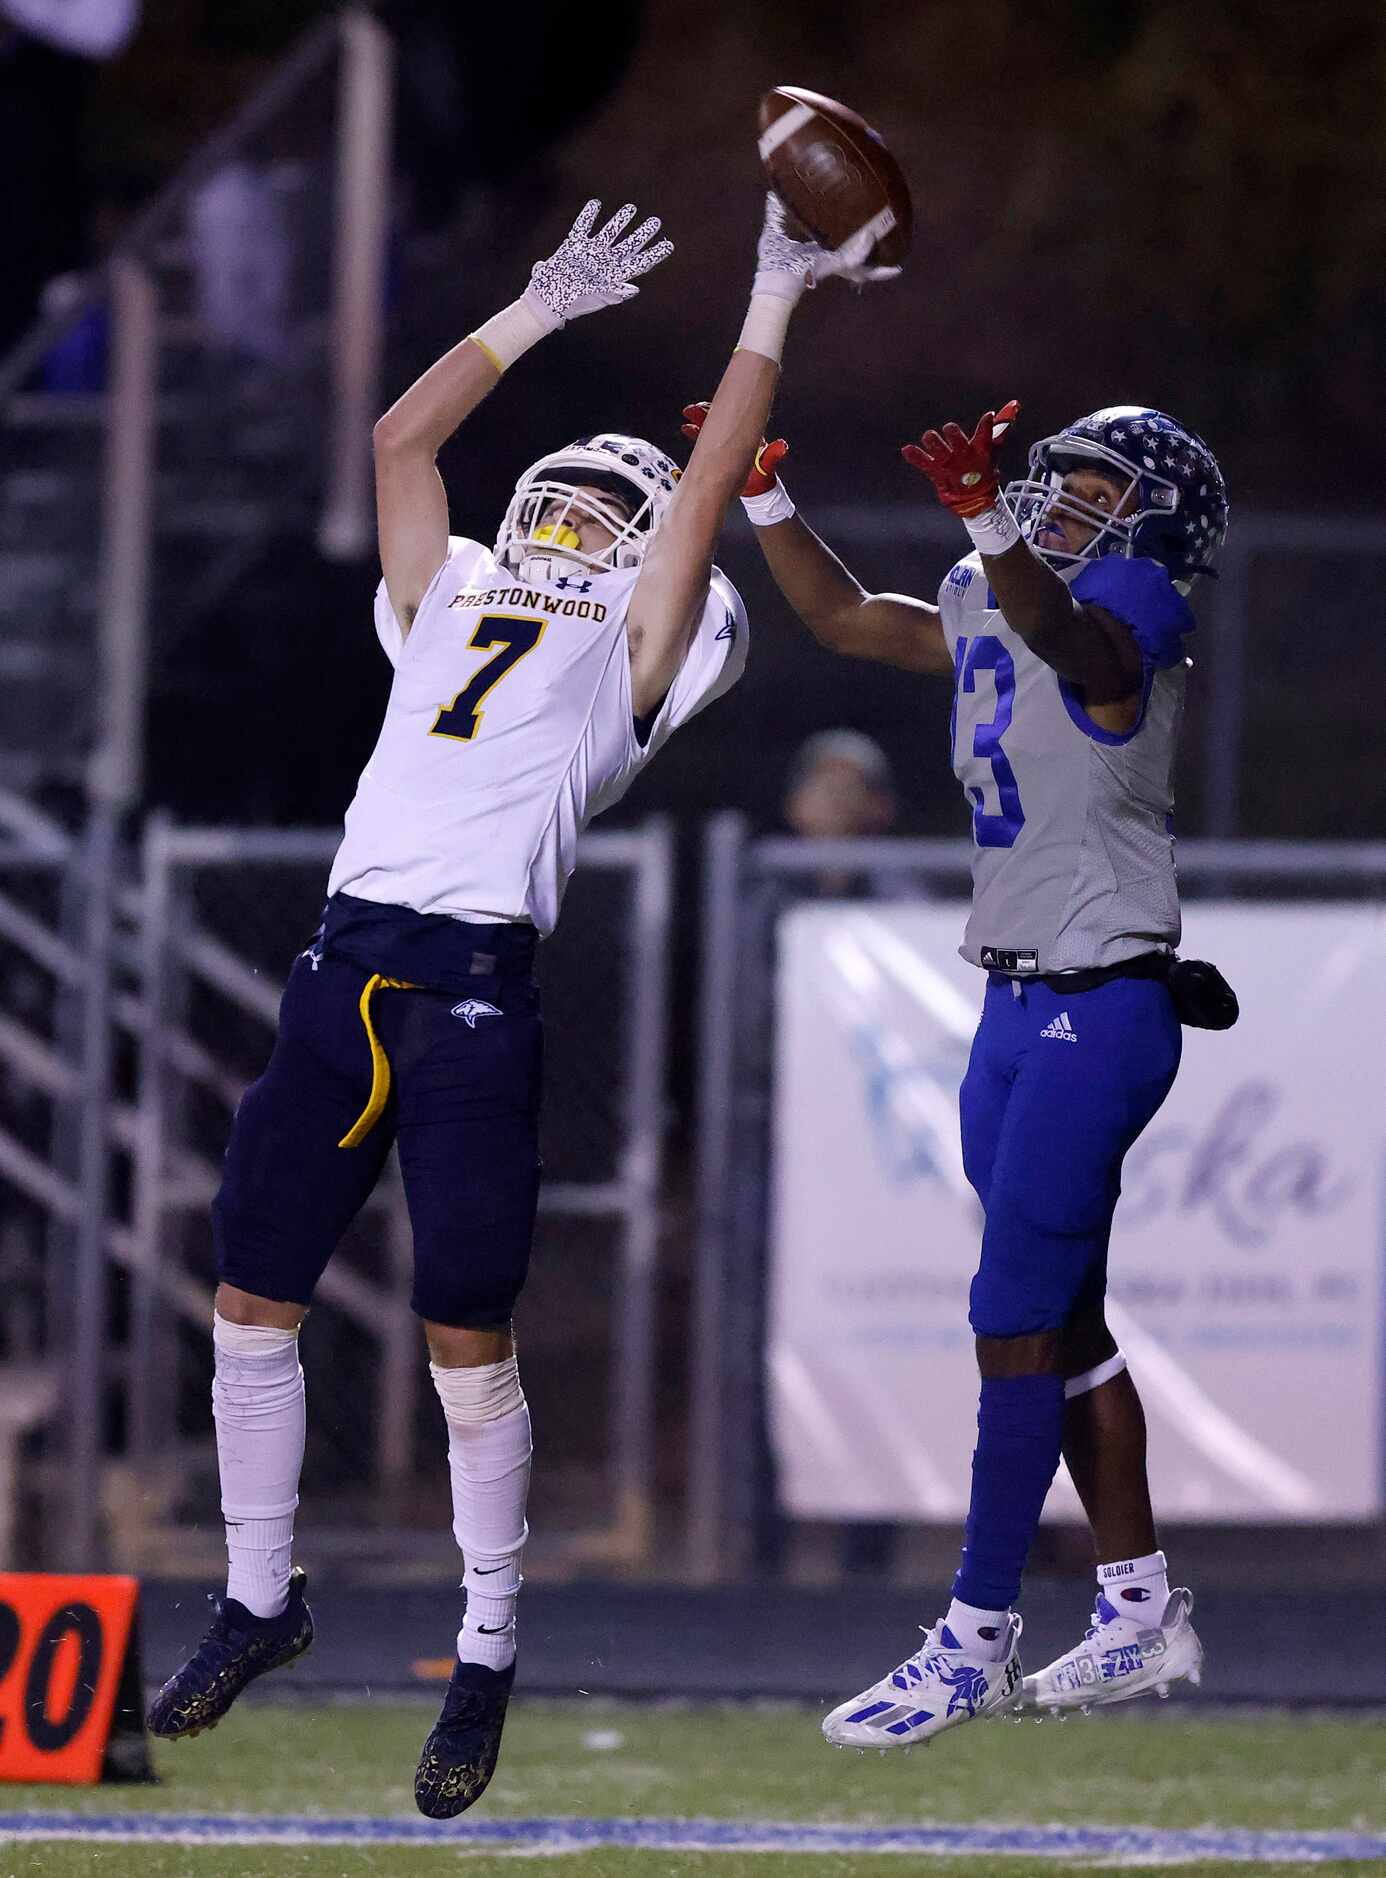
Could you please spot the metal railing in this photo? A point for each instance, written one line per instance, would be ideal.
(130, 1054)
(171, 1177)
(134, 412)
(80, 954)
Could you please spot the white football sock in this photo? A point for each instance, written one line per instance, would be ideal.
(257, 1404)
(980, 1633)
(489, 1450)
(1137, 1588)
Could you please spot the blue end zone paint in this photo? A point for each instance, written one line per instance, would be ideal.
(1143, 1843)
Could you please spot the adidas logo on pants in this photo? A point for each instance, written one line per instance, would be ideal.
(1061, 1028)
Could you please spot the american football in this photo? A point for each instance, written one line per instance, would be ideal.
(832, 171)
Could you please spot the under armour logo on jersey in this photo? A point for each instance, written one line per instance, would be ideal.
(729, 630)
(1061, 1028)
(470, 1009)
(578, 586)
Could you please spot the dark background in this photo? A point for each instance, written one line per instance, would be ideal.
(1180, 202)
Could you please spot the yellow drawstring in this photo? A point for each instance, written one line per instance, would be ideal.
(380, 1063)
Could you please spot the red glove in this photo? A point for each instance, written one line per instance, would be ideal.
(767, 458)
(963, 469)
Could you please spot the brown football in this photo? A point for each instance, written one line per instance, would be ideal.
(832, 171)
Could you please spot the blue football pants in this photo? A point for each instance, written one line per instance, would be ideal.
(1058, 1087)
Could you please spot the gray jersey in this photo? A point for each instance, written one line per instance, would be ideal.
(1074, 863)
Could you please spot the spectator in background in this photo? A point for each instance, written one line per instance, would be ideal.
(47, 49)
(840, 787)
(840, 784)
(239, 234)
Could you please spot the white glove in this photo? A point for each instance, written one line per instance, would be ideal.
(785, 267)
(589, 271)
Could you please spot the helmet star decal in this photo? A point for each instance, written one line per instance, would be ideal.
(1174, 499)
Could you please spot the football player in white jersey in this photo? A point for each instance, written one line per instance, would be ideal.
(1064, 635)
(532, 681)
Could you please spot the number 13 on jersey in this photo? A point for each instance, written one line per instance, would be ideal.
(986, 653)
(461, 719)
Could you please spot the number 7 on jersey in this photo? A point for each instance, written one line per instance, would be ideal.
(461, 719)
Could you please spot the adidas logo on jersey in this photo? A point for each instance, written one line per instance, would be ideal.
(1061, 1028)
(470, 1009)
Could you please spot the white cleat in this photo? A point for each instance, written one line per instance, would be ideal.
(1121, 1658)
(936, 1688)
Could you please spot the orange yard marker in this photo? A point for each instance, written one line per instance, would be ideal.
(432, 1668)
(70, 1695)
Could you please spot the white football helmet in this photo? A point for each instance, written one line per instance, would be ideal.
(537, 538)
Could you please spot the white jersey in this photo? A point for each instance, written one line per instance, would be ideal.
(509, 726)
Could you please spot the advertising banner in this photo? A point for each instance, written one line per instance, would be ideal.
(1247, 1255)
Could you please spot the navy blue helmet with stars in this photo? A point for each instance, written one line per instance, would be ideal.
(1174, 491)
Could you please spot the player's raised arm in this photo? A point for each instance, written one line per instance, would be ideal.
(889, 628)
(585, 273)
(1085, 644)
(672, 588)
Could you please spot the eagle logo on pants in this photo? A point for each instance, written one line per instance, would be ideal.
(470, 1009)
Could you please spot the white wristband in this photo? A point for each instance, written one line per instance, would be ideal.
(773, 506)
(994, 530)
(781, 283)
(767, 322)
(509, 334)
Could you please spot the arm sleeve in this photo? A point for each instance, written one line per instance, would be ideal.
(715, 659)
(1142, 596)
(387, 627)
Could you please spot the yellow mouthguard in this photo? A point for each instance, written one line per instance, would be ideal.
(558, 535)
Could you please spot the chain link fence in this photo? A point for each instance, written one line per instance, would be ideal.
(208, 923)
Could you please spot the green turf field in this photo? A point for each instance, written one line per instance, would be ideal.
(1169, 1769)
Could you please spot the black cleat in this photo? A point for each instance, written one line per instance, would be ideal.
(238, 1648)
(460, 1756)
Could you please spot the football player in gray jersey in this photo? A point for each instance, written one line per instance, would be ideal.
(1063, 633)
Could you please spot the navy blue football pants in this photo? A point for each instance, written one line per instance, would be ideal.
(462, 1104)
(1058, 1087)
